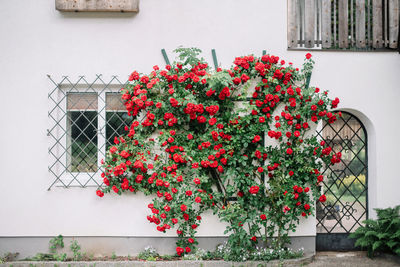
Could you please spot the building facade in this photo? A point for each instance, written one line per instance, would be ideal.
(41, 46)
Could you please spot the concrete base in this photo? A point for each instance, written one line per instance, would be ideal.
(122, 246)
(182, 263)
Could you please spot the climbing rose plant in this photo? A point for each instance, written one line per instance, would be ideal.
(239, 142)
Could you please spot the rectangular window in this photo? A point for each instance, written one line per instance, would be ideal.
(84, 119)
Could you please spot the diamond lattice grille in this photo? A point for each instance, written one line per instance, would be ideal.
(84, 118)
(345, 184)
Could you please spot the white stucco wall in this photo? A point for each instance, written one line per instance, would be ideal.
(36, 40)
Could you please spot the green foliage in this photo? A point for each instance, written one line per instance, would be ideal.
(113, 255)
(227, 253)
(149, 254)
(188, 56)
(381, 235)
(48, 257)
(8, 257)
(167, 257)
(198, 254)
(56, 242)
(76, 250)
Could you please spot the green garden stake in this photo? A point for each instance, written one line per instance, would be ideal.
(308, 78)
(214, 56)
(165, 56)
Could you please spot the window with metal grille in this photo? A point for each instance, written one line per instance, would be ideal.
(343, 24)
(84, 119)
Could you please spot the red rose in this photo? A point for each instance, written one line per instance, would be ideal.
(190, 240)
(254, 189)
(196, 181)
(289, 151)
(201, 119)
(254, 238)
(197, 199)
(220, 168)
(113, 149)
(188, 193)
(291, 173)
(187, 249)
(194, 226)
(190, 136)
(134, 76)
(183, 207)
(308, 56)
(174, 221)
(115, 189)
(179, 251)
(263, 217)
(322, 198)
(99, 193)
(306, 206)
(237, 80)
(299, 190)
(260, 169)
(256, 139)
(186, 216)
(212, 121)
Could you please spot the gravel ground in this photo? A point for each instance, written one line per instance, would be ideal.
(351, 259)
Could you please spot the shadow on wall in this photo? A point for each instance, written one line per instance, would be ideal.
(97, 15)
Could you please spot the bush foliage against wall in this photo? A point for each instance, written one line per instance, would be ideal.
(197, 144)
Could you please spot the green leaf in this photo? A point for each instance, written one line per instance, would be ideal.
(392, 243)
(383, 235)
(376, 245)
(371, 233)
(397, 251)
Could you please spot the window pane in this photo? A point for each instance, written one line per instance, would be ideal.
(116, 117)
(82, 128)
(82, 101)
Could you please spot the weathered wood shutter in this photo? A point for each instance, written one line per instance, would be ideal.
(343, 24)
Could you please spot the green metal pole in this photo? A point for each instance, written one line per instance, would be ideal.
(214, 56)
(165, 56)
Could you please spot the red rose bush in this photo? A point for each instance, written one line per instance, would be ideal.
(237, 141)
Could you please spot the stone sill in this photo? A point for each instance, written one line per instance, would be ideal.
(275, 263)
(97, 5)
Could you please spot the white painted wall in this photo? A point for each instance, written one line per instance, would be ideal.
(36, 40)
